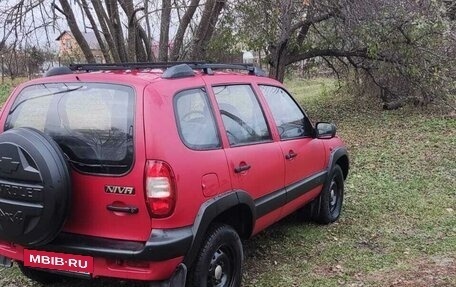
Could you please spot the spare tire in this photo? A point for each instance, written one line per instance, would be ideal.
(35, 187)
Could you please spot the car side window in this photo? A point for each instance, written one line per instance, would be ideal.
(242, 115)
(291, 122)
(195, 120)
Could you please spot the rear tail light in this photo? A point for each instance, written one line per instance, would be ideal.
(160, 189)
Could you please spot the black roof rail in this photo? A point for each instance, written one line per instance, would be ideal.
(253, 70)
(127, 66)
(173, 69)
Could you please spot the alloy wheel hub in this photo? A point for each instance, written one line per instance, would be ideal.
(218, 272)
(333, 197)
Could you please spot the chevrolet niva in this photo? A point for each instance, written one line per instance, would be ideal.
(156, 171)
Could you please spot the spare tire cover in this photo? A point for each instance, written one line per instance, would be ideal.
(35, 187)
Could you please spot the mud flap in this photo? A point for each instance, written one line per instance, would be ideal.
(178, 278)
(5, 262)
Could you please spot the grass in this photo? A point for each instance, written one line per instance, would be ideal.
(398, 226)
(7, 87)
(4, 92)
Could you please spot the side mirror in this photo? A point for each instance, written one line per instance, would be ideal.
(325, 130)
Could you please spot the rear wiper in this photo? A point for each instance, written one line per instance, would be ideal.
(96, 164)
(42, 96)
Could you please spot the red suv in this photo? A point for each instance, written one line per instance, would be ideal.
(156, 171)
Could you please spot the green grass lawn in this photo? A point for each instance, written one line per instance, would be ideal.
(399, 220)
(398, 226)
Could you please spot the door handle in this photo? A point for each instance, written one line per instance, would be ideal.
(291, 155)
(241, 168)
(123, 209)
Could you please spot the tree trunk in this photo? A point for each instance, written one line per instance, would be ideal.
(66, 7)
(143, 48)
(183, 25)
(107, 29)
(206, 28)
(117, 32)
(100, 40)
(279, 52)
(128, 8)
(278, 61)
(146, 37)
(147, 44)
(277, 70)
(141, 55)
(164, 31)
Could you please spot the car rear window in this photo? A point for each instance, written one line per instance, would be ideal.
(91, 122)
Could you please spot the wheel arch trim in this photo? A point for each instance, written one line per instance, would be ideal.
(210, 210)
(337, 154)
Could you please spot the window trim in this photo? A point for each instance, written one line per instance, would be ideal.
(270, 140)
(312, 131)
(176, 96)
(134, 104)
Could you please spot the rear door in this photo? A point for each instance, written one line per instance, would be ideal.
(181, 130)
(254, 159)
(98, 127)
(303, 155)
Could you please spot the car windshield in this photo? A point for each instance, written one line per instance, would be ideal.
(91, 122)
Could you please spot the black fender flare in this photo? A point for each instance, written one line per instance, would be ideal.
(209, 211)
(336, 154)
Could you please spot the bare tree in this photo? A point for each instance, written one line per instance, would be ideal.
(164, 30)
(181, 30)
(25, 22)
(101, 42)
(138, 41)
(71, 20)
(106, 28)
(206, 27)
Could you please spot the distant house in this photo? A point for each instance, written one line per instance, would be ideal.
(70, 52)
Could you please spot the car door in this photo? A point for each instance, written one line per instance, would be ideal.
(304, 156)
(254, 159)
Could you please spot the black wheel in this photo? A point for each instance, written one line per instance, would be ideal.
(42, 277)
(331, 198)
(219, 263)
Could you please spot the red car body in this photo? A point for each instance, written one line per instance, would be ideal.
(249, 186)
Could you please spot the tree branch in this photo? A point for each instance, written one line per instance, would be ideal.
(184, 23)
(308, 22)
(361, 53)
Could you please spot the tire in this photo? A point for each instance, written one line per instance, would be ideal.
(219, 263)
(42, 277)
(35, 187)
(331, 198)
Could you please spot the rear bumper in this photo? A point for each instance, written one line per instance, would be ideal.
(153, 260)
(162, 245)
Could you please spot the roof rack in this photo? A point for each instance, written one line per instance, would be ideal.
(127, 66)
(174, 69)
(253, 70)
